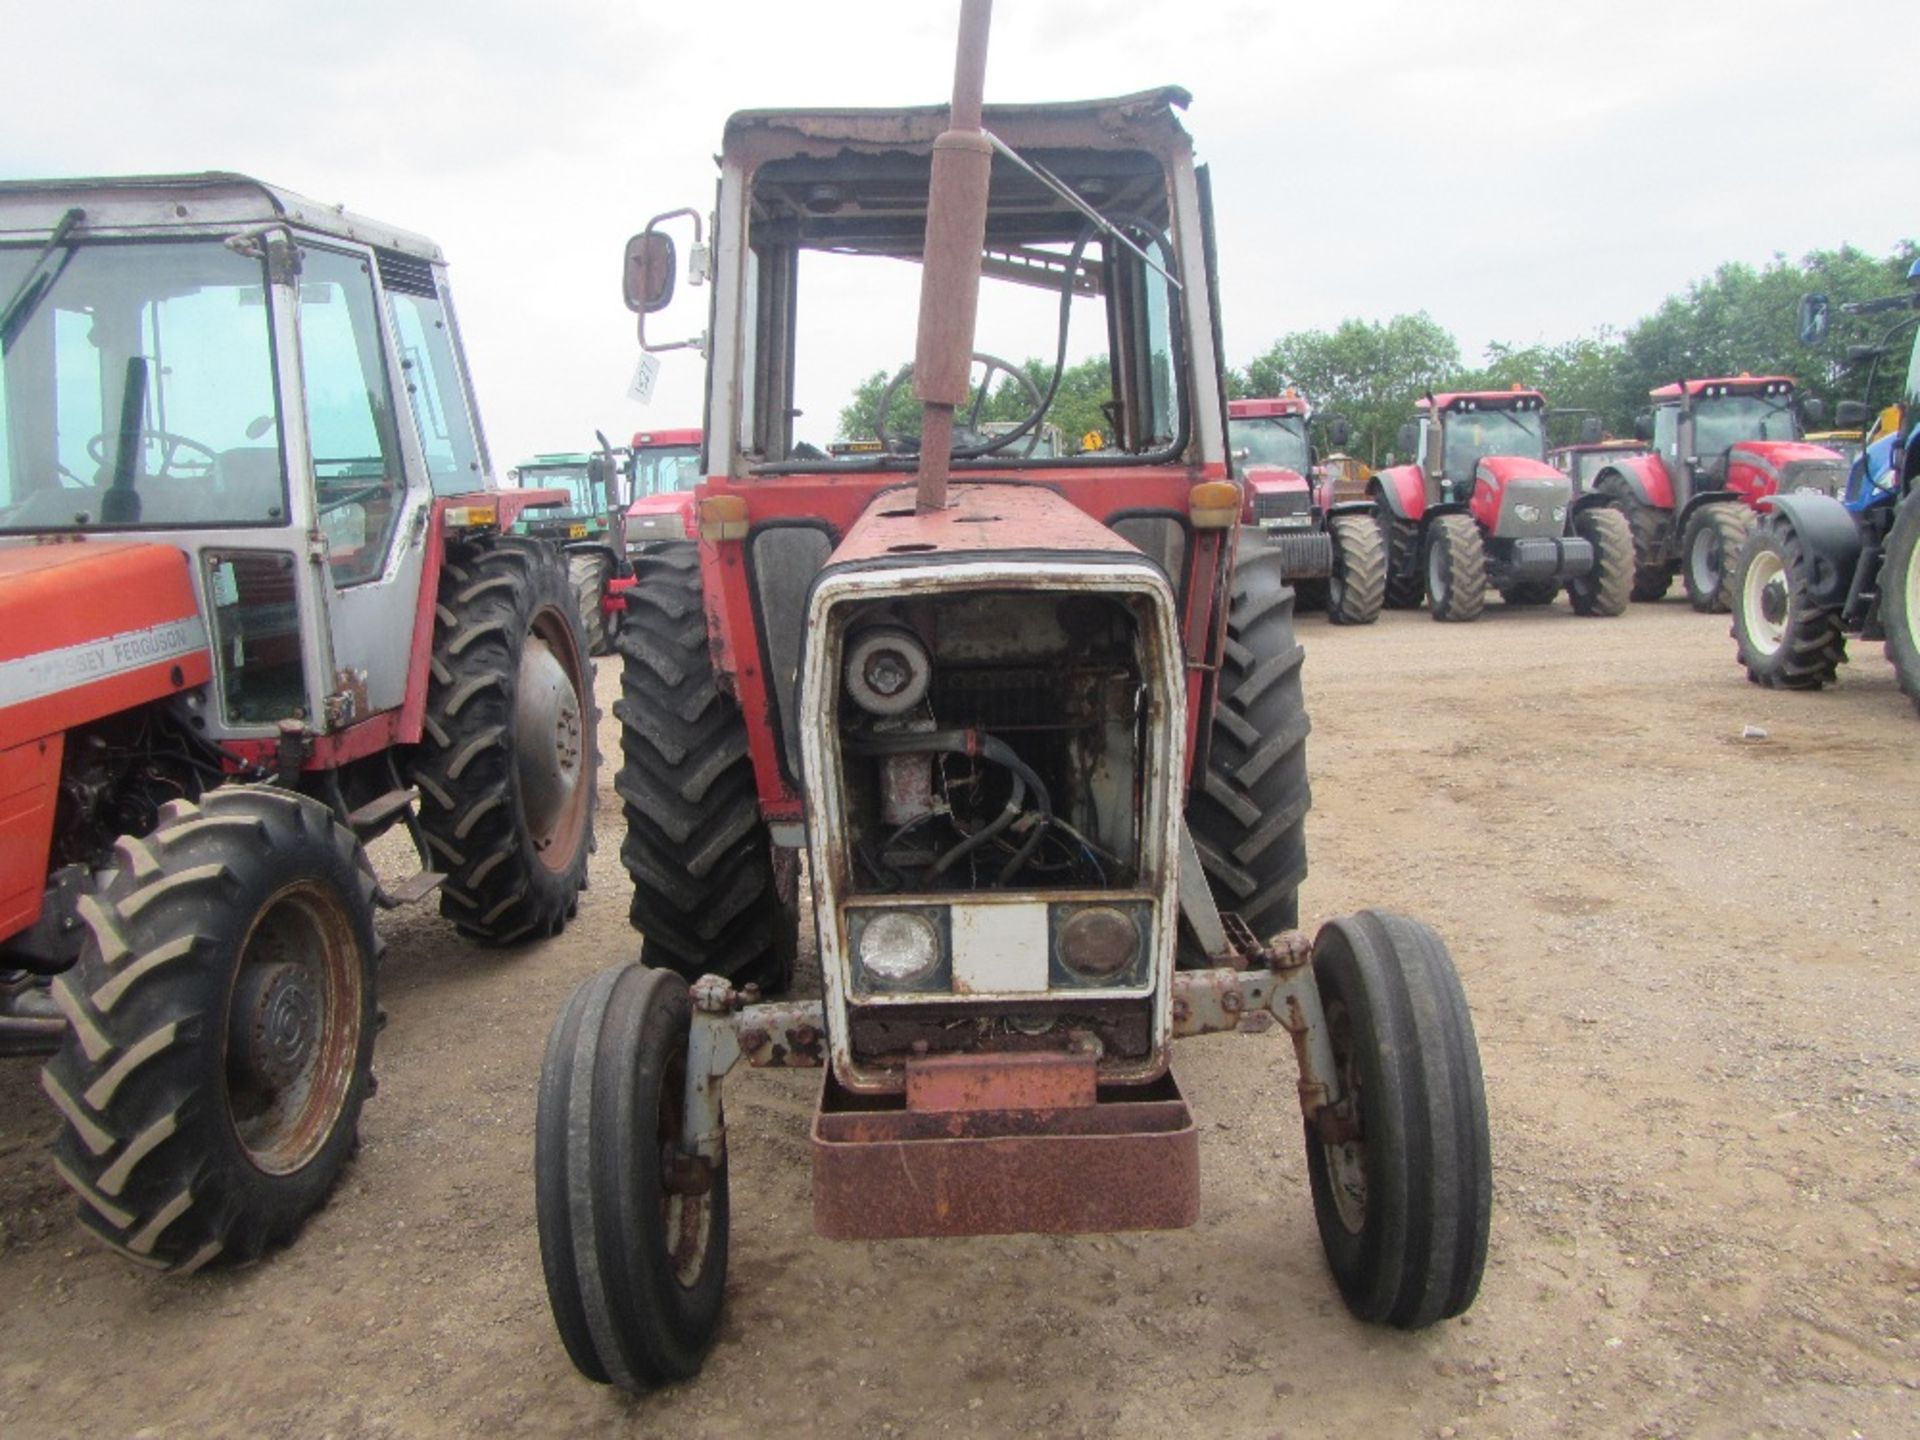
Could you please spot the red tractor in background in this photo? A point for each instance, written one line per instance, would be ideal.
(1326, 544)
(1718, 448)
(664, 466)
(1037, 722)
(1480, 507)
(257, 606)
(1583, 461)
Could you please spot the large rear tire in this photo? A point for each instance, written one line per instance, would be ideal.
(507, 765)
(1404, 1207)
(1357, 588)
(587, 573)
(1405, 586)
(220, 1030)
(1900, 584)
(1248, 812)
(704, 884)
(1787, 639)
(1607, 589)
(1649, 527)
(1710, 554)
(1456, 568)
(634, 1248)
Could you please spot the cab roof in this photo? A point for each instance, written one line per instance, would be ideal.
(657, 439)
(1734, 384)
(1263, 408)
(210, 200)
(1518, 398)
(1121, 122)
(551, 461)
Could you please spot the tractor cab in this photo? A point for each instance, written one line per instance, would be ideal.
(663, 468)
(1455, 433)
(1741, 434)
(589, 483)
(1274, 452)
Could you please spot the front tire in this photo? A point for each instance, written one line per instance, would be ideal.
(1606, 589)
(1357, 588)
(1710, 550)
(1456, 567)
(587, 574)
(705, 891)
(1900, 584)
(1787, 639)
(1248, 812)
(1404, 1205)
(634, 1248)
(1401, 538)
(507, 765)
(1649, 529)
(220, 1029)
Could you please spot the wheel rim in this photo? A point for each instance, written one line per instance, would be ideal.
(1437, 573)
(1346, 1161)
(1705, 560)
(293, 1028)
(1765, 601)
(549, 743)
(686, 1217)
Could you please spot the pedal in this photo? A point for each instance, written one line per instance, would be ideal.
(381, 809)
(407, 892)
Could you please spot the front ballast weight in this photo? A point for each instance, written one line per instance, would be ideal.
(631, 1160)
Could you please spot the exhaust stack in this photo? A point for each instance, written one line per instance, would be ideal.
(950, 270)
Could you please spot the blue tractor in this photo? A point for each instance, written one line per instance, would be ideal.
(1817, 568)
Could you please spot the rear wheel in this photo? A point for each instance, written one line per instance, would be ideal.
(705, 890)
(220, 1029)
(1710, 551)
(1404, 1205)
(1248, 812)
(1401, 538)
(1900, 584)
(1787, 639)
(588, 572)
(1456, 569)
(633, 1231)
(1357, 588)
(1648, 527)
(1607, 588)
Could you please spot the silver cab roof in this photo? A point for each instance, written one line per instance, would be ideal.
(215, 200)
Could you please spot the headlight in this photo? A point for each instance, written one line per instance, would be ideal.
(1526, 512)
(1098, 942)
(898, 946)
(1559, 514)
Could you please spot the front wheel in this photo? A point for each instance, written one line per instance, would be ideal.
(1401, 539)
(1900, 584)
(1711, 544)
(1607, 588)
(633, 1231)
(1357, 587)
(588, 572)
(1405, 1201)
(1788, 640)
(220, 1029)
(1456, 569)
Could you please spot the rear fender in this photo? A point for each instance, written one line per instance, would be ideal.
(1643, 478)
(1827, 529)
(1593, 499)
(1401, 490)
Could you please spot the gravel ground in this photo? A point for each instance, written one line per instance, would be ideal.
(1692, 972)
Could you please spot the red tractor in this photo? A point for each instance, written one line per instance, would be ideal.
(1036, 721)
(257, 606)
(665, 466)
(1582, 462)
(1480, 507)
(1719, 447)
(1319, 538)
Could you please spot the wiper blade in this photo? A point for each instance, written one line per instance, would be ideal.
(37, 281)
(1066, 192)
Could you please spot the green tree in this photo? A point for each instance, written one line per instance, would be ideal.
(1579, 375)
(1367, 372)
(1075, 408)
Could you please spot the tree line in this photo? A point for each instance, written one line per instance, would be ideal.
(1740, 318)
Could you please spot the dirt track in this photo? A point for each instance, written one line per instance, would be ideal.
(1692, 965)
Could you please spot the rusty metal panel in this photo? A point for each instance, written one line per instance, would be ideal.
(1025, 1080)
(989, 518)
(1130, 1161)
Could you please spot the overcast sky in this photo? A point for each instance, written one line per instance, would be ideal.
(1522, 172)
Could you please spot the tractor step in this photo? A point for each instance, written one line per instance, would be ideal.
(413, 888)
(381, 809)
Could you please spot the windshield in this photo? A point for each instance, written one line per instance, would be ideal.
(665, 470)
(1472, 435)
(582, 503)
(138, 391)
(1723, 420)
(1278, 440)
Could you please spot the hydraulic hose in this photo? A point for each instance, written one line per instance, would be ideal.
(972, 742)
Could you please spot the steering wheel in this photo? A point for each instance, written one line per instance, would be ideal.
(968, 438)
(197, 466)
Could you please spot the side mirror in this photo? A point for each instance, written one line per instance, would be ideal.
(1643, 426)
(597, 471)
(1408, 437)
(1590, 430)
(1816, 318)
(1339, 432)
(1852, 415)
(1813, 409)
(647, 281)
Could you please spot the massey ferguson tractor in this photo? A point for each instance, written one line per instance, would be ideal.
(1817, 568)
(590, 527)
(665, 468)
(1319, 537)
(1718, 448)
(1480, 507)
(257, 606)
(1036, 722)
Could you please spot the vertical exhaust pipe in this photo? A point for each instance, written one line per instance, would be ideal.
(950, 268)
